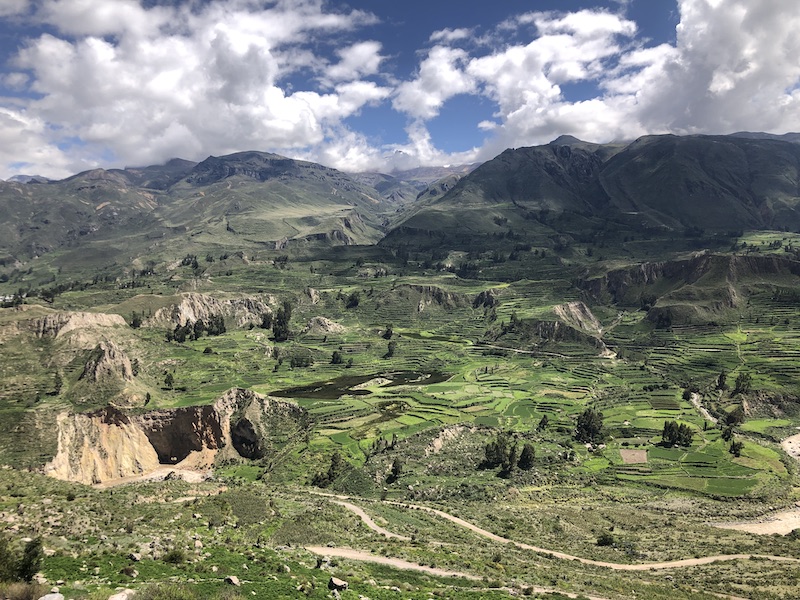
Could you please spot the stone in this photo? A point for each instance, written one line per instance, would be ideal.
(126, 594)
(233, 580)
(337, 584)
(52, 597)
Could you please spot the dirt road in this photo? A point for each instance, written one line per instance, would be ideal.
(399, 563)
(673, 564)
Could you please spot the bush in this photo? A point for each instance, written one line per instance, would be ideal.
(175, 556)
(605, 539)
(166, 591)
(22, 591)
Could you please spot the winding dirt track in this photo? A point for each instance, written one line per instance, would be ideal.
(370, 523)
(673, 564)
(405, 565)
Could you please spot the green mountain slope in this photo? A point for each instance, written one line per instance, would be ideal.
(248, 199)
(660, 183)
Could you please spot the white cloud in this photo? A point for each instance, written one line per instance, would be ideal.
(10, 8)
(196, 78)
(448, 36)
(359, 60)
(89, 17)
(179, 83)
(441, 76)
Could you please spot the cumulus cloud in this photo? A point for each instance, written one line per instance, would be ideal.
(148, 84)
(441, 76)
(144, 82)
(359, 60)
(448, 35)
(13, 7)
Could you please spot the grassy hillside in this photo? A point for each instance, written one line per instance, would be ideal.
(514, 393)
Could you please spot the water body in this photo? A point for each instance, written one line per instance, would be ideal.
(348, 384)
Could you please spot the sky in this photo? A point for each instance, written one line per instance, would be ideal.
(380, 85)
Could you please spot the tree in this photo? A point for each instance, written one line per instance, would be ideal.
(735, 417)
(169, 380)
(353, 300)
(590, 426)
(197, 329)
(526, 457)
(216, 325)
(58, 384)
(336, 358)
(390, 349)
(336, 467)
(387, 335)
(497, 451)
(542, 423)
(722, 380)
(136, 320)
(744, 383)
(8, 566)
(736, 448)
(676, 434)
(727, 433)
(280, 324)
(31, 560)
(266, 320)
(397, 469)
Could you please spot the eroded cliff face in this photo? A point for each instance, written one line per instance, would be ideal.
(624, 286)
(110, 444)
(578, 316)
(59, 324)
(107, 361)
(195, 307)
(100, 446)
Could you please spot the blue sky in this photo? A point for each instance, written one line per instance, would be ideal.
(379, 85)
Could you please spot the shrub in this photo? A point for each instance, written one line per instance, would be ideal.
(605, 539)
(175, 556)
(166, 591)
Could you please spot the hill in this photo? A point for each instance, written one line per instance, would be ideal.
(244, 200)
(666, 184)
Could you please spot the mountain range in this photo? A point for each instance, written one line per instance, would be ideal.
(656, 185)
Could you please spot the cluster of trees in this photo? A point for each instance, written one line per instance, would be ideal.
(20, 568)
(589, 428)
(336, 467)
(676, 434)
(504, 452)
(194, 331)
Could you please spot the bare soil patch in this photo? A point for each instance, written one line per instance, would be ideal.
(633, 457)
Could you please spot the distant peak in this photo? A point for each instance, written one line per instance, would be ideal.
(28, 179)
(566, 140)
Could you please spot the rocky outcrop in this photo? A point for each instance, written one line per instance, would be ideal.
(625, 286)
(321, 325)
(578, 316)
(110, 444)
(429, 295)
(193, 307)
(100, 446)
(486, 299)
(107, 361)
(58, 324)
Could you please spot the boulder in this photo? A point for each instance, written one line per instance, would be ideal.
(337, 585)
(233, 580)
(126, 594)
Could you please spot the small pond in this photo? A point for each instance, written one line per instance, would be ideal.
(348, 384)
